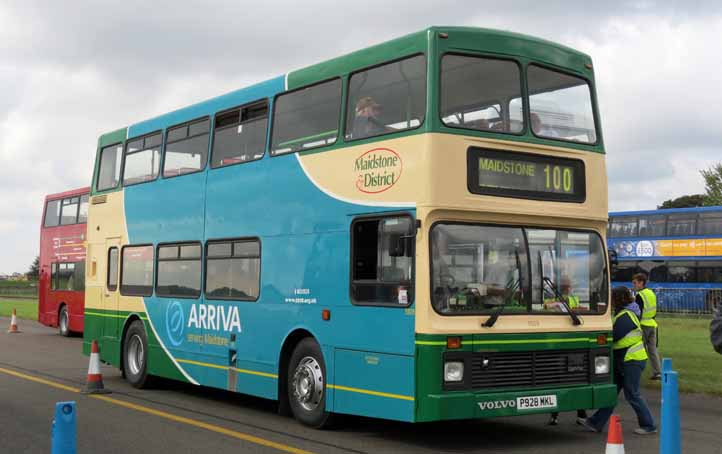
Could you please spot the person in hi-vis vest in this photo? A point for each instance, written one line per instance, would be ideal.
(647, 300)
(629, 361)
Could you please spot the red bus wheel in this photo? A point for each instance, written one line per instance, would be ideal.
(64, 322)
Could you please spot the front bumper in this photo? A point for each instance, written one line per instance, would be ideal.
(470, 405)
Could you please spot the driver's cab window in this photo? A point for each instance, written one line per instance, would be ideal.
(564, 269)
(477, 268)
(382, 261)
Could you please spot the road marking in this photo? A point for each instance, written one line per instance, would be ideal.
(40, 380)
(165, 415)
(202, 425)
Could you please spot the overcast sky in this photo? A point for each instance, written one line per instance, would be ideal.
(70, 70)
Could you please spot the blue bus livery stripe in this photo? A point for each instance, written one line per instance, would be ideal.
(670, 258)
(665, 238)
(665, 211)
(274, 376)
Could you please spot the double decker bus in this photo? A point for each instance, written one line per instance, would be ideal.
(680, 250)
(61, 288)
(414, 231)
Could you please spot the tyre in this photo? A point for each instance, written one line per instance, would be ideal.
(306, 377)
(64, 322)
(135, 355)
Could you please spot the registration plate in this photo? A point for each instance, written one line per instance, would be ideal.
(535, 402)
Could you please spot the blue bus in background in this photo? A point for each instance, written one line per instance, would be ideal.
(679, 249)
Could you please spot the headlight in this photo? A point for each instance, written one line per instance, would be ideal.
(453, 371)
(601, 365)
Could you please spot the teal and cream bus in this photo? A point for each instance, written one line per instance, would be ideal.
(414, 231)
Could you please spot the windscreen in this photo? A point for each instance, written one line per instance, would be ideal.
(476, 269)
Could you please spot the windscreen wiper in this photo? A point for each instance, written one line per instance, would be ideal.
(550, 283)
(511, 286)
(561, 299)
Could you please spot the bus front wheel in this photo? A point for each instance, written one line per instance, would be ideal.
(63, 322)
(307, 384)
(135, 355)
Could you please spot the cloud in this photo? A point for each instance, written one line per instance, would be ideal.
(72, 70)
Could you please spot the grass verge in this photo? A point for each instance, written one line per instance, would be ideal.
(26, 308)
(686, 341)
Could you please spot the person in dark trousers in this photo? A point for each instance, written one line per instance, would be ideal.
(630, 358)
(647, 300)
(554, 418)
(715, 330)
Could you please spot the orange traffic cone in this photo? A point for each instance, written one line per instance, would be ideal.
(615, 442)
(94, 384)
(14, 324)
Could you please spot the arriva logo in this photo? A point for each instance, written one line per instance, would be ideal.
(377, 170)
(174, 322)
(208, 316)
(497, 404)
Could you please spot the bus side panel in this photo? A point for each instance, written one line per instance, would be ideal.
(359, 377)
(74, 302)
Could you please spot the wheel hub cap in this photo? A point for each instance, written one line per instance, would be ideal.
(308, 383)
(135, 355)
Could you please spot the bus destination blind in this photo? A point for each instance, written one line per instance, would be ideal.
(523, 175)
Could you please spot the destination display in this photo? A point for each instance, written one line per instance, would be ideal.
(523, 175)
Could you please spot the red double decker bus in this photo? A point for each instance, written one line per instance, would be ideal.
(61, 290)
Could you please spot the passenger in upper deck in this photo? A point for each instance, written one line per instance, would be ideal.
(540, 128)
(366, 122)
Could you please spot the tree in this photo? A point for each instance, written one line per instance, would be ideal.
(34, 271)
(713, 185)
(686, 201)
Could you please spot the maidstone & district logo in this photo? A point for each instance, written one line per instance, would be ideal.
(377, 170)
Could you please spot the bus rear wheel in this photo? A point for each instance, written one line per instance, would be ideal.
(307, 385)
(135, 355)
(64, 322)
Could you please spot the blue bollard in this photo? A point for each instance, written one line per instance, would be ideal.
(64, 429)
(666, 364)
(670, 440)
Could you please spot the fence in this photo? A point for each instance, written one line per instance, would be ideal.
(18, 292)
(688, 300)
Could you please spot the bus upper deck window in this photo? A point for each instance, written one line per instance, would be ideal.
(560, 106)
(306, 118)
(481, 93)
(386, 98)
(109, 171)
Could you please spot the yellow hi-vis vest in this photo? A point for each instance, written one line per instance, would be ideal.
(573, 301)
(633, 340)
(650, 307)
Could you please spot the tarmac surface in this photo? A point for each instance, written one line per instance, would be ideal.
(39, 368)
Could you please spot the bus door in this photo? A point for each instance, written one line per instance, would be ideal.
(110, 293)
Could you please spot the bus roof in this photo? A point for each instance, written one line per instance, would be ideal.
(665, 211)
(493, 41)
(68, 193)
(461, 38)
